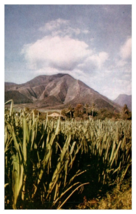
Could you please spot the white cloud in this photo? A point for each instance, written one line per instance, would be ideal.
(54, 24)
(63, 53)
(61, 27)
(94, 61)
(70, 31)
(99, 59)
(125, 50)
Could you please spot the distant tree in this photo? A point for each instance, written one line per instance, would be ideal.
(64, 112)
(69, 112)
(125, 113)
(104, 113)
(78, 110)
(70, 108)
(86, 106)
(85, 116)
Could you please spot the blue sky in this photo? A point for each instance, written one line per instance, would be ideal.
(90, 42)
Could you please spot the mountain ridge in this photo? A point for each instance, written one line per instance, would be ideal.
(56, 90)
(123, 99)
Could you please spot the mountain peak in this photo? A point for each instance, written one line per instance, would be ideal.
(123, 99)
(57, 91)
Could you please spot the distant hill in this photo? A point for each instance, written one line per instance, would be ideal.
(17, 97)
(123, 99)
(56, 91)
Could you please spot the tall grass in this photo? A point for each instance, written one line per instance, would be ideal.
(46, 162)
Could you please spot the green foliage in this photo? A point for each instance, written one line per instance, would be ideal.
(47, 161)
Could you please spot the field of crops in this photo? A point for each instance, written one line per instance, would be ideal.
(54, 164)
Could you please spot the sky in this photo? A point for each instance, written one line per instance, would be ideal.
(92, 43)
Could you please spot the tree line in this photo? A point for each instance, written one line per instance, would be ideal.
(86, 112)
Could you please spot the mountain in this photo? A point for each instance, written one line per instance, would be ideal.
(17, 97)
(123, 99)
(56, 91)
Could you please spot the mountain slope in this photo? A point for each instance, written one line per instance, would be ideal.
(17, 97)
(60, 90)
(123, 99)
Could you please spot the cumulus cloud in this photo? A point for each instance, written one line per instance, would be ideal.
(94, 61)
(60, 51)
(98, 59)
(63, 53)
(125, 50)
